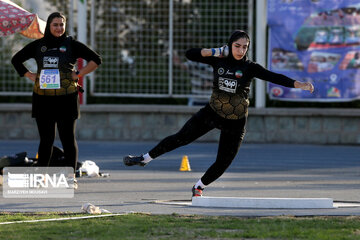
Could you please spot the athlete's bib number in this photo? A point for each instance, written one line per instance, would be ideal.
(49, 79)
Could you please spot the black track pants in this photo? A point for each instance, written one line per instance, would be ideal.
(231, 136)
(47, 131)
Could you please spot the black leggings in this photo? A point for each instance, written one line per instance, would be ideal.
(231, 136)
(47, 132)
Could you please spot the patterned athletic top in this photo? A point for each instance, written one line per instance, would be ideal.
(232, 80)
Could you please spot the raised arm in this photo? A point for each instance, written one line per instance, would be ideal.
(206, 55)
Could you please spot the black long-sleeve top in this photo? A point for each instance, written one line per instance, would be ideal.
(232, 80)
(79, 50)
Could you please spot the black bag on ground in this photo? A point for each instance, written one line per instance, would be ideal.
(21, 159)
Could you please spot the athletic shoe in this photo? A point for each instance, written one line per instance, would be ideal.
(134, 160)
(197, 192)
(73, 183)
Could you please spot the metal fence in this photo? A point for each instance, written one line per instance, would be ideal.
(10, 82)
(143, 43)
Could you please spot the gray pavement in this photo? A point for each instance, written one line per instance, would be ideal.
(259, 170)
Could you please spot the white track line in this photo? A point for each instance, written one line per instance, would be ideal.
(68, 218)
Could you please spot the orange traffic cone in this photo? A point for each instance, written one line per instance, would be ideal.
(185, 165)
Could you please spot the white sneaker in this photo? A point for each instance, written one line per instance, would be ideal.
(74, 183)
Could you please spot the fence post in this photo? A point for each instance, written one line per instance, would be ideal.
(92, 42)
(82, 32)
(171, 11)
(70, 21)
(261, 7)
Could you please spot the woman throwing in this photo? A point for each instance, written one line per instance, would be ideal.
(55, 99)
(227, 109)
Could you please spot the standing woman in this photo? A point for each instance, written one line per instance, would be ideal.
(227, 109)
(55, 99)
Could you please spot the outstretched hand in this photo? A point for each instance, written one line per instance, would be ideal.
(304, 86)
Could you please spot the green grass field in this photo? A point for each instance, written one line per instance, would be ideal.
(143, 226)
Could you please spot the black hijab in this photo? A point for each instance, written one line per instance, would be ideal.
(50, 40)
(234, 37)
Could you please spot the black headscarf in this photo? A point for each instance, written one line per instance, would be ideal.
(50, 40)
(234, 37)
